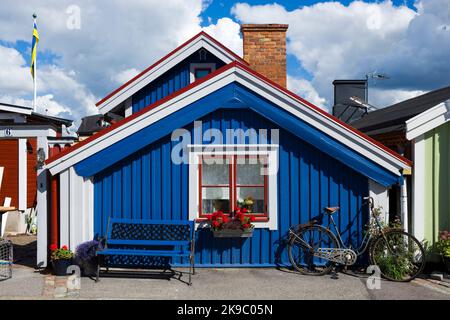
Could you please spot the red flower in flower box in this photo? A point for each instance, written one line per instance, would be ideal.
(215, 224)
(53, 247)
(218, 220)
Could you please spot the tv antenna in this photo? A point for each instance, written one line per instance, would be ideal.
(376, 76)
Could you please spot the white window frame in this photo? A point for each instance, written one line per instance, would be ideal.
(269, 150)
(194, 66)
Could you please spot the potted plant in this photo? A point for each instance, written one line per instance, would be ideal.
(239, 224)
(85, 257)
(246, 203)
(61, 259)
(443, 248)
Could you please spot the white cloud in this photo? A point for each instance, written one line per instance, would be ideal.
(125, 75)
(15, 76)
(59, 93)
(227, 32)
(333, 41)
(305, 89)
(387, 97)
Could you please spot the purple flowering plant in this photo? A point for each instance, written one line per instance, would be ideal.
(86, 250)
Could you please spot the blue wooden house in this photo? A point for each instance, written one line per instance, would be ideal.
(202, 101)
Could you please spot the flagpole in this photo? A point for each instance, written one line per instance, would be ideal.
(34, 67)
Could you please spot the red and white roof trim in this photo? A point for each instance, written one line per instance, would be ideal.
(201, 40)
(233, 72)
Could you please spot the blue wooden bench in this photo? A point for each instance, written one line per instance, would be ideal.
(149, 238)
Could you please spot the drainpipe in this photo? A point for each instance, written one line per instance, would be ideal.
(404, 204)
(404, 196)
(54, 211)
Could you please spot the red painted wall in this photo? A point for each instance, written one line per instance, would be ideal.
(9, 150)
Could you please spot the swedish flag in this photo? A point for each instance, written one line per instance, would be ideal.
(34, 43)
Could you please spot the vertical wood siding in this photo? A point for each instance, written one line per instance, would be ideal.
(9, 153)
(173, 80)
(147, 185)
(437, 181)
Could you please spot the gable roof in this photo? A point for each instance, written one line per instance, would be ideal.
(233, 72)
(382, 120)
(201, 40)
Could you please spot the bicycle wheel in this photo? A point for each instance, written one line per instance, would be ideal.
(302, 258)
(399, 255)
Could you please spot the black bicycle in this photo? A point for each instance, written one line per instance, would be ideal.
(315, 250)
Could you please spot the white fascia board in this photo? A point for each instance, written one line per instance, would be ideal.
(142, 121)
(158, 70)
(16, 109)
(290, 104)
(428, 120)
(323, 123)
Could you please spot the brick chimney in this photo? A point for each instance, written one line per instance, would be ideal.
(265, 49)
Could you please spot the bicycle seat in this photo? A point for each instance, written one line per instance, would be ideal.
(331, 210)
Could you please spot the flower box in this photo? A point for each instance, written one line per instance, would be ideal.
(233, 233)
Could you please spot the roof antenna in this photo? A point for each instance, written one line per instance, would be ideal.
(375, 76)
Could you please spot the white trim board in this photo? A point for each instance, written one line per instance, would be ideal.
(2, 169)
(16, 109)
(418, 204)
(22, 164)
(200, 42)
(76, 209)
(428, 120)
(294, 106)
(41, 208)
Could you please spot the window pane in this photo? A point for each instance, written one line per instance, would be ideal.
(213, 174)
(249, 173)
(214, 199)
(200, 73)
(251, 198)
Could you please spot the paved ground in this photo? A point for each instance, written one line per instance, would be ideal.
(27, 283)
(224, 284)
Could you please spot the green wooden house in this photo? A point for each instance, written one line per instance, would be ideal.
(429, 133)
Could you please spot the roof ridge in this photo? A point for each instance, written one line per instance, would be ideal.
(157, 62)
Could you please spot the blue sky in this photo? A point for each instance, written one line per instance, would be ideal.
(407, 39)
